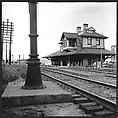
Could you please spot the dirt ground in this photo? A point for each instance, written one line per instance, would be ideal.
(58, 109)
(14, 72)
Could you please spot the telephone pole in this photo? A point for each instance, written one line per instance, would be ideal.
(10, 43)
(6, 51)
(2, 36)
(7, 31)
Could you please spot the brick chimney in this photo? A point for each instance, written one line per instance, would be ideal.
(78, 29)
(85, 26)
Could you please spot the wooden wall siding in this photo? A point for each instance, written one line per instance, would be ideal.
(78, 43)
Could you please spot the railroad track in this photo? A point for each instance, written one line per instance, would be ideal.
(106, 72)
(91, 103)
(79, 77)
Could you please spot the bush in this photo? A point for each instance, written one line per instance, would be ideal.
(12, 72)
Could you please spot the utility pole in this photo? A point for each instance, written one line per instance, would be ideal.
(2, 36)
(7, 29)
(12, 58)
(19, 59)
(10, 44)
(6, 52)
(33, 76)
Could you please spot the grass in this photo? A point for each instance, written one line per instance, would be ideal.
(12, 72)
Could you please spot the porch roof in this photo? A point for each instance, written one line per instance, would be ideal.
(84, 51)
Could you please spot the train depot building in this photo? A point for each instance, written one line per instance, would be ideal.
(83, 48)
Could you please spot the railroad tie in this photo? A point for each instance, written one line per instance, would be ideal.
(105, 113)
(80, 100)
(94, 108)
(76, 96)
(83, 105)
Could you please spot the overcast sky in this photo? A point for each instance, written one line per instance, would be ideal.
(55, 18)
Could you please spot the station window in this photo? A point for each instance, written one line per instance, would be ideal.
(65, 43)
(71, 43)
(97, 41)
(89, 41)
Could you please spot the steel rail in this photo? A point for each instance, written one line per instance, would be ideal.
(101, 100)
(110, 76)
(82, 78)
(107, 75)
(100, 71)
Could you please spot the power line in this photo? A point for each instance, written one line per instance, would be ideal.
(7, 35)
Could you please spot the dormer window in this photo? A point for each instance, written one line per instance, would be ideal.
(91, 30)
(89, 41)
(98, 41)
(71, 43)
(64, 43)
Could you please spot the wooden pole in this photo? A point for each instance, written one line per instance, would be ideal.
(19, 59)
(10, 44)
(6, 52)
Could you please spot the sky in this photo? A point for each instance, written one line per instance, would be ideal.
(54, 18)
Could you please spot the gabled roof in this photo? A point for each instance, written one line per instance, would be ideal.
(91, 29)
(82, 51)
(94, 34)
(69, 35)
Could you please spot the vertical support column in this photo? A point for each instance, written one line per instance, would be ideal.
(33, 77)
(96, 63)
(85, 62)
(101, 58)
(61, 63)
(68, 64)
(67, 43)
(78, 63)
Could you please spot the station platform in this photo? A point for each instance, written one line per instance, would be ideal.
(14, 95)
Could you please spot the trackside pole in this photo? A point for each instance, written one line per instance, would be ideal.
(33, 76)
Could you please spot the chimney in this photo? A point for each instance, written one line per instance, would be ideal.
(85, 26)
(78, 29)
